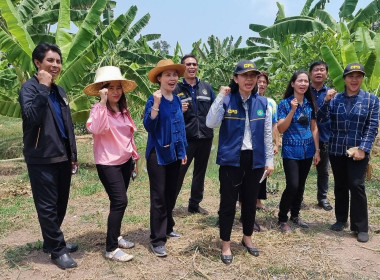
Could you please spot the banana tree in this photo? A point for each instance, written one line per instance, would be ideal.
(341, 43)
(217, 59)
(80, 51)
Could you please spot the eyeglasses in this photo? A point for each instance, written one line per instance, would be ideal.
(191, 64)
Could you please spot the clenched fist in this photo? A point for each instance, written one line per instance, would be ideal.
(225, 90)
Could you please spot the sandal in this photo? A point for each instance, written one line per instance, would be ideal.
(118, 255)
(262, 208)
(125, 244)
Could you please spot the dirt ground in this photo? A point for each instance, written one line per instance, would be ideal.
(317, 253)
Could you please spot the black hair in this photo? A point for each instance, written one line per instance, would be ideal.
(235, 87)
(187, 56)
(319, 62)
(41, 49)
(290, 90)
(122, 105)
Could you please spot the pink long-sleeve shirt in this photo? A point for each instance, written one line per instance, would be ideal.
(113, 136)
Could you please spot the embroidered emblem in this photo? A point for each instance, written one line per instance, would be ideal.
(180, 94)
(260, 112)
(232, 111)
(204, 91)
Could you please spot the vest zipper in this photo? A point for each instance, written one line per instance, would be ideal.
(38, 137)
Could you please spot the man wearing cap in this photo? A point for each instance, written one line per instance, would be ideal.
(245, 152)
(196, 97)
(49, 149)
(318, 73)
(354, 116)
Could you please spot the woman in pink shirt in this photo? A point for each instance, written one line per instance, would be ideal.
(114, 150)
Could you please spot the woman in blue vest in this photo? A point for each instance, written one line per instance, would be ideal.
(300, 144)
(165, 151)
(245, 152)
(354, 115)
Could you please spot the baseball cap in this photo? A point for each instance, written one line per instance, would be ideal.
(245, 66)
(353, 67)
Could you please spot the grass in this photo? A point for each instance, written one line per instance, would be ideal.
(11, 137)
(304, 254)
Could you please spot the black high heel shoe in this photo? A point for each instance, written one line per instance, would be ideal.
(253, 251)
(226, 259)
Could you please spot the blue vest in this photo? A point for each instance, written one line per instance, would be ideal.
(231, 131)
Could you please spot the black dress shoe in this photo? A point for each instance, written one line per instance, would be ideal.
(197, 210)
(65, 261)
(299, 222)
(227, 259)
(71, 247)
(253, 251)
(338, 226)
(363, 237)
(325, 204)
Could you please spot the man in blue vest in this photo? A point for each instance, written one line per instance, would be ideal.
(197, 97)
(318, 74)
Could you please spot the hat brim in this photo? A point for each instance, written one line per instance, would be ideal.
(152, 75)
(351, 71)
(93, 89)
(248, 70)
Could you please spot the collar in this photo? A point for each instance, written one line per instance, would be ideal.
(351, 96)
(244, 100)
(187, 84)
(323, 88)
(290, 98)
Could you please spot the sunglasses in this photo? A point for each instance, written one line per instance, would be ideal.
(191, 64)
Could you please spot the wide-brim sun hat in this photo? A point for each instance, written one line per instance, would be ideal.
(164, 65)
(108, 74)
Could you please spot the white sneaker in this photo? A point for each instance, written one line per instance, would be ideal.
(118, 255)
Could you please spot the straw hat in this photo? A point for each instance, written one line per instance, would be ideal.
(106, 74)
(163, 65)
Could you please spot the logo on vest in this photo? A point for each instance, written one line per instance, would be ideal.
(180, 94)
(260, 112)
(232, 111)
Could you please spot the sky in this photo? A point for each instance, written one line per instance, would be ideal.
(188, 21)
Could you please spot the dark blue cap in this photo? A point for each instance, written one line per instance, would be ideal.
(245, 66)
(353, 67)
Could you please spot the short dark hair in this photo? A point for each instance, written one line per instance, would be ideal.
(187, 56)
(319, 62)
(41, 49)
(265, 75)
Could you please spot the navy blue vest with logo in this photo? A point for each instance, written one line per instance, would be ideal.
(231, 131)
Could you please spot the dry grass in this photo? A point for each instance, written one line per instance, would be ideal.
(316, 253)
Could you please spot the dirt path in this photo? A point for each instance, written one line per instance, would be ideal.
(323, 255)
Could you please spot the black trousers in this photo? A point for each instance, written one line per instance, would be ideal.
(115, 179)
(349, 176)
(323, 172)
(233, 180)
(51, 188)
(296, 172)
(163, 189)
(199, 150)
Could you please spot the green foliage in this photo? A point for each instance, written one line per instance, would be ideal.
(293, 43)
(15, 256)
(96, 43)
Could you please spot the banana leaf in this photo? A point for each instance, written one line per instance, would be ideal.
(10, 109)
(335, 69)
(16, 27)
